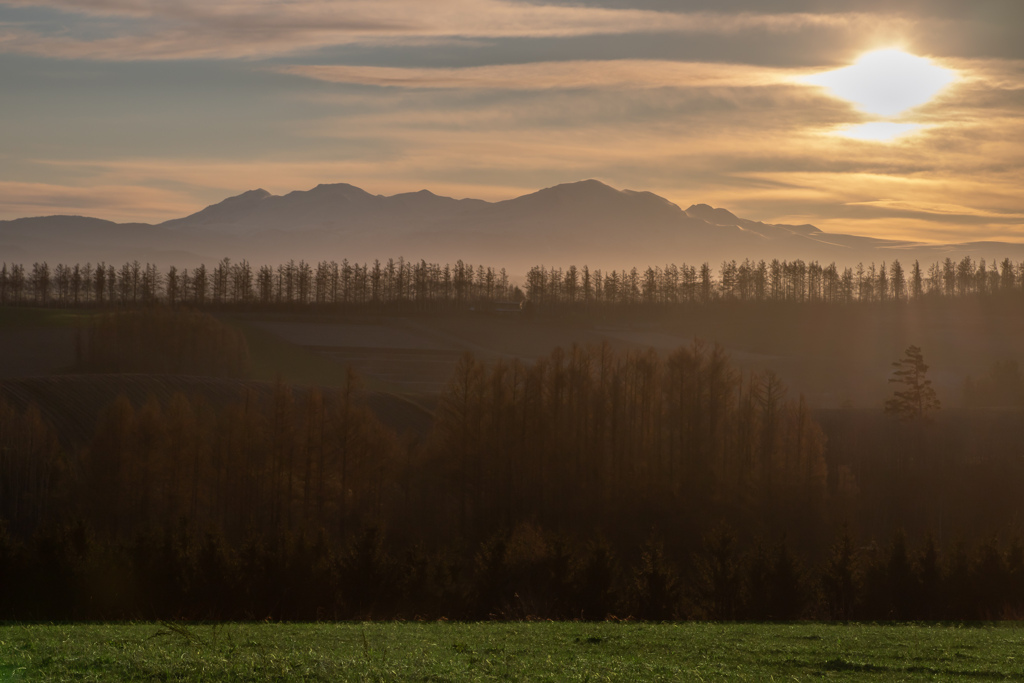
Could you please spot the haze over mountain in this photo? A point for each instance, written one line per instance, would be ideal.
(585, 222)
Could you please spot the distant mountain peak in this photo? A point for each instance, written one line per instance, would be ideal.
(589, 190)
(250, 195)
(418, 194)
(595, 188)
(712, 215)
(227, 209)
(645, 194)
(590, 185)
(343, 189)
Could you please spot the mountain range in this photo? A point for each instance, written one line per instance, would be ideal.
(585, 222)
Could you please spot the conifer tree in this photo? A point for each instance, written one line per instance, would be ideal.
(918, 397)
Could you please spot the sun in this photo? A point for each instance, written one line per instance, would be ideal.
(886, 82)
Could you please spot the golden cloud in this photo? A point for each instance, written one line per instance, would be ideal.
(124, 201)
(194, 29)
(623, 73)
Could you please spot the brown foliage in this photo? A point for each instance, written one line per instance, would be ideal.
(582, 432)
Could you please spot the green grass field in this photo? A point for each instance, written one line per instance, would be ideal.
(510, 651)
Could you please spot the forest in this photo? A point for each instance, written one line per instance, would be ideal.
(588, 483)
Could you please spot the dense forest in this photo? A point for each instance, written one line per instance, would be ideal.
(590, 483)
(431, 285)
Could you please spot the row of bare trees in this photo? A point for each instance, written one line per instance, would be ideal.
(431, 285)
(774, 280)
(302, 283)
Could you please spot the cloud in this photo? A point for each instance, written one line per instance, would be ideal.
(624, 73)
(695, 117)
(951, 214)
(194, 29)
(1001, 74)
(928, 207)
(122, 202)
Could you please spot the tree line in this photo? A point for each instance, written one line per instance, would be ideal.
(239, 283)
(432, 285)
(774, 280)
(68, 572)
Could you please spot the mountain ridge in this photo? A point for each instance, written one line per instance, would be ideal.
(584, 222)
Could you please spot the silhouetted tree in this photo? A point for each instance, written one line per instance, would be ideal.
(918, 397)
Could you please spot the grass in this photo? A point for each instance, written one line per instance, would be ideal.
(544, 651)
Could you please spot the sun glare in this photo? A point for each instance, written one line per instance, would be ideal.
(886, 82)
(879, 131)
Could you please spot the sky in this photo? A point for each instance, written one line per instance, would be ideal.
(146, 110)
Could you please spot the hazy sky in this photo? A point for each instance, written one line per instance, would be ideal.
(151, 109)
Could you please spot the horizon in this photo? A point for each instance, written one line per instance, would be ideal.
(270, 194)
(896, 124)
(689, 205)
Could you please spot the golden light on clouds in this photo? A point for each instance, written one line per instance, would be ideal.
(880, 131)
(566, 74)
(886, 82)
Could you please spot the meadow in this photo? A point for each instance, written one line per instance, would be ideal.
(538, 651)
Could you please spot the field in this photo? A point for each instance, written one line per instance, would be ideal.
(510, 651)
